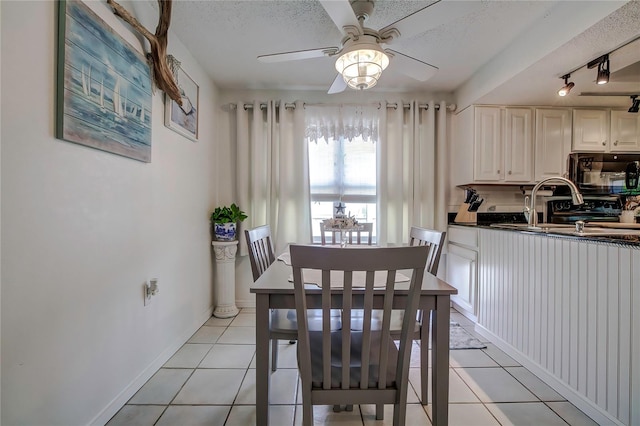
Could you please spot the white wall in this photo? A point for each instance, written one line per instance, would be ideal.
(83, 229)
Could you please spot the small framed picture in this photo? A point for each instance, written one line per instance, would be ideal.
(183, 118)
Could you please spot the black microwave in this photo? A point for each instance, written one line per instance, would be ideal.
(598, 173)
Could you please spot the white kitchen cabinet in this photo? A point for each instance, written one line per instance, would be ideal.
(625, 131)
(552, 142)
(591, 130)
(462, 268)
(503, 145)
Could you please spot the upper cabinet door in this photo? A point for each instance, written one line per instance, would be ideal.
(488, 145)
(591, 130)
(518, 145)
(552, 142)
(625, 131)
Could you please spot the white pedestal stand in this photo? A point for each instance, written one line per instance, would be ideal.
(225, 278)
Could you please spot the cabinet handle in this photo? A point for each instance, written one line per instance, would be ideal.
(498, 171)
(604, 143)
(616, 143)
(509, 171)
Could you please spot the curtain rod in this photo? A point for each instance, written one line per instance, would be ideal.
(450, 107)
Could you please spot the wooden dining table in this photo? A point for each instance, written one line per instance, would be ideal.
(273, 290)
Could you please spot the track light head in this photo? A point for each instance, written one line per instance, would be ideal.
(564, 90)
(603, 68)
(635, 104)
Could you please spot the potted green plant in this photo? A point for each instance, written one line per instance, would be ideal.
(224, 220)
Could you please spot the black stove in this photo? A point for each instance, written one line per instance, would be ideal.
(596, 208)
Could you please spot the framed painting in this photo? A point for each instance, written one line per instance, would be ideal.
(103, 86)
(183, 118)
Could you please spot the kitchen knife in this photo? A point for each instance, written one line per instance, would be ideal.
(474, 197)
(468, 193)
(475, 205)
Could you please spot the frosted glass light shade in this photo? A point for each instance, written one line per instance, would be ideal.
(361, 68)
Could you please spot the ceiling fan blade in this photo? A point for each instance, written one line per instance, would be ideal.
(412, 67)
(338, 85)
(298, 54)
(341, 13)
(436, 14)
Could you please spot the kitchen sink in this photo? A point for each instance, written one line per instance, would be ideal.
(567, 229)
(597, 232)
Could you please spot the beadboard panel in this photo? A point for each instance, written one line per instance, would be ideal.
(567, 306)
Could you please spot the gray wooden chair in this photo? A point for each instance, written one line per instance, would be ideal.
(434, 240)
(283, 324)
(332, 363)
(361, 236)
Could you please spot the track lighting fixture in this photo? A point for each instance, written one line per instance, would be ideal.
(567, 85)
(635, 104)
(603, 68)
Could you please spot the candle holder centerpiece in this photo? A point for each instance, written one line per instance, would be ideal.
(343, 224)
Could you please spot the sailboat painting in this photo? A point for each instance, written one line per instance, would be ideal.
(104, 87)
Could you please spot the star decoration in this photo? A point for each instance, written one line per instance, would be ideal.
(340, 208)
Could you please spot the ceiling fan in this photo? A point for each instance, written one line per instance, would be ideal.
(361, 55)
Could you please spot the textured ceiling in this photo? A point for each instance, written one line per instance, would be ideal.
(227, 36)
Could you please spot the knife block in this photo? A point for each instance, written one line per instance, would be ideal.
(465, 216)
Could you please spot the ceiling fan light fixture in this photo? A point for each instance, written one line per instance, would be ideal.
(361, 65)
(564, 90)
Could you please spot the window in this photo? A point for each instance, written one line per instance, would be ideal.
(342, 171)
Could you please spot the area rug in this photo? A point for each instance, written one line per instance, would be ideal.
(459, 338)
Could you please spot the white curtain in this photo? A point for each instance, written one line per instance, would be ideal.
(411, 169)
(272, 172)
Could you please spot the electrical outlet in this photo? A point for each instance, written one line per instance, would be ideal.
(150, 288)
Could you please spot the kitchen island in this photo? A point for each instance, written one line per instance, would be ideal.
(563, 306)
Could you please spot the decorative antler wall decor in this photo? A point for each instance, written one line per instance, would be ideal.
(162, 73)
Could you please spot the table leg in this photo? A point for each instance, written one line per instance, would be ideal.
(262, 359)
(424, 356)
(440, 362)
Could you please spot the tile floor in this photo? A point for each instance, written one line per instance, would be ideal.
(211, 381)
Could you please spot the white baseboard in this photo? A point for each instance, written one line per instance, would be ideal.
(596, 413)
(246, 303)
(119, 401)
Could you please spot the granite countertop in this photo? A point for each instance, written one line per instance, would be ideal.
(492, 221)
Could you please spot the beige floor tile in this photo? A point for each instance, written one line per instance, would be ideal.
(468, 415)
(525, 414)
(199, 415)
(571, 414)
(229, 356)
(499, 356)
(458, 389)
(459, 318)
(211, 386)
(189, 355)
(137, 415)
(324, 415)
(494, 385)
(244, 319)
(280, 415)
(416, 415)
(247, 392)
(162, 387)
(283, 386)
(287, 354)
(238, 335)
(218, 322)
(206, 334)
(470, 358)
(534, 384)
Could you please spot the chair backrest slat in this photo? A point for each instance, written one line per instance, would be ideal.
(260, 247)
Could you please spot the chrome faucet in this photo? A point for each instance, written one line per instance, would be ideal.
(576, 197)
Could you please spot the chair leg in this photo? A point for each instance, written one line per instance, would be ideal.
(307, 414)
(424, 363)
(274, 354)
(399, 414)
(379, 411)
